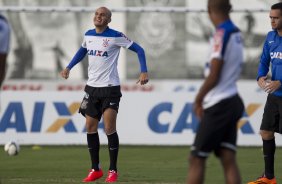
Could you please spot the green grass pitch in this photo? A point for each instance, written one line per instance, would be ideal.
(136, 164)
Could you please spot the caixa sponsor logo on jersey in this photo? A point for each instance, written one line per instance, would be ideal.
(276, 55)
(186, 119)
(97, 53)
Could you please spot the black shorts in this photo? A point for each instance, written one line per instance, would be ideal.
(98, 99)
(218, 127)
(272, 115)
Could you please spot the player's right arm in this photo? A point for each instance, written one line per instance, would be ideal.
(264, 64)
(80, 54)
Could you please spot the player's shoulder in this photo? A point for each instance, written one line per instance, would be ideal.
(4, 25)
(2, 18)
(271, 34)
(90, 32)
(228, 27)
(114, 33)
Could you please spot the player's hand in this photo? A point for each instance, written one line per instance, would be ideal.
(198, 109)
(262, 82)
(143, 78)
(272, 86)
(65, 73)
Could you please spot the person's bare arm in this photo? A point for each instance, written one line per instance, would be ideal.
(3, 58)
(209, 83)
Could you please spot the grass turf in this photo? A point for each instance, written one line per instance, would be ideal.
(136, 164)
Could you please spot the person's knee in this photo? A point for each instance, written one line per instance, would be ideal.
(109, 130)
(192, 159)
(91, 124)
(91, 128)
(227, 156)
(266, 135)
(110, 121)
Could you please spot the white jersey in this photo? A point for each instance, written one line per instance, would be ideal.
(103, 51)
(226, 45)
(4, 35)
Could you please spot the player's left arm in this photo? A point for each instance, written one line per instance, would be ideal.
(143, 78)
(209, 83)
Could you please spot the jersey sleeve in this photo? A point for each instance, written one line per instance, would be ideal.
(141, 56)
(264, 60)
(217, 44)
(4, 37)
(84, 43)
(80, 54)
(123, 41)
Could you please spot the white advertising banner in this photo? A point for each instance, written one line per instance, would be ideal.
(160, 117)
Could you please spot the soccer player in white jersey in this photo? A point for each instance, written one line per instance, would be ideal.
(217, 104)
(102, 45)
(4, 46)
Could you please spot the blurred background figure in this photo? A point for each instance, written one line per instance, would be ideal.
(218, 105)
(4, 46)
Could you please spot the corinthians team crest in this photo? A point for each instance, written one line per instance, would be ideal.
(106, 42)
(158, 35)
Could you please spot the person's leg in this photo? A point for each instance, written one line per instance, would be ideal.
(110, 116)
(93, 147)
(270, 123)
(269, 148)
(196, 170)
(230, 167)
(93, 141)
(226, 152)
(206, 140)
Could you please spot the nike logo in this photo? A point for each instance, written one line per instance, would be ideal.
(112, 103)
(113, 148)
(270, 41)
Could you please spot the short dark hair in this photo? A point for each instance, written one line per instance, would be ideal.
(222, 6)
(277, 6)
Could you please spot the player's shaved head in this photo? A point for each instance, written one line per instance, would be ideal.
(219, 6)
(101, 18)
(106, 10)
